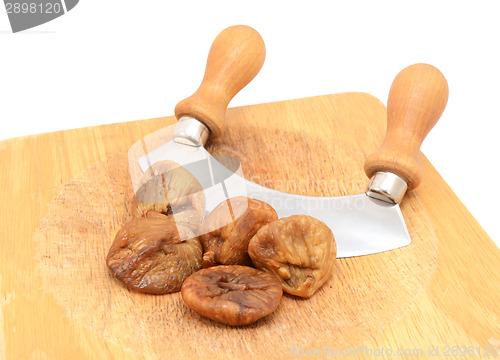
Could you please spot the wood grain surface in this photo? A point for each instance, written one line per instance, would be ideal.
(65, 195)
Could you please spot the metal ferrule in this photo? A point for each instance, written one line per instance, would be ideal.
(190, 131)
(387, 187)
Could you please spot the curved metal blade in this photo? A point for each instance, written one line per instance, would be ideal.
(361, 225)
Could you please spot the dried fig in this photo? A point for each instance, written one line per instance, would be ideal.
(233, 294)
(148, 254)
(170, 189)
(226, 231)
(299, 249)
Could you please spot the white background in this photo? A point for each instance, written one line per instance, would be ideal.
(120, 60)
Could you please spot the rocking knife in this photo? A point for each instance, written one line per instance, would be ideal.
(363, 224)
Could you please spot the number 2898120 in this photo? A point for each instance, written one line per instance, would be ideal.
(33, 8)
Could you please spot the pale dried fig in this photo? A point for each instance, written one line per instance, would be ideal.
(170, 189)
(148, 254)
(299, 249)
(226, 231)
(233, 295)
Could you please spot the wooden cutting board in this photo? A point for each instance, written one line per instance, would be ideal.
(65, 194)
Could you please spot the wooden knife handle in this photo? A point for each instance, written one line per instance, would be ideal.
(235, 58)
(417, 99)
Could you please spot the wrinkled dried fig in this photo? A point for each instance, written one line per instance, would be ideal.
(226, 231)
(170, 189)
(233, 295)
(299, 249)
(148, 254)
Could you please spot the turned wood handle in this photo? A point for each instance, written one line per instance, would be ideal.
(416, 101)
(235, 58)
